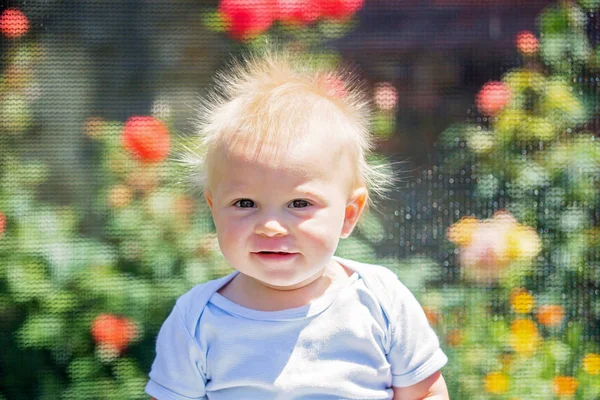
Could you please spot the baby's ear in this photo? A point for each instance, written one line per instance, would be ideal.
(208, 198)
(354, 208)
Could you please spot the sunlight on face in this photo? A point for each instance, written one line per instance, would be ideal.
(279, 219)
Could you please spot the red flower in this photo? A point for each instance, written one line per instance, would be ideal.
(492, 98)
(147, 138)
(2, 223)
(13, 23)
(247, 19)
(340, 9)
(299, 11)
(112, 331)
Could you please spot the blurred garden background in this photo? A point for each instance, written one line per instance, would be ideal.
(487, 109)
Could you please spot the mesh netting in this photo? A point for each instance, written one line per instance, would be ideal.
(485, 110)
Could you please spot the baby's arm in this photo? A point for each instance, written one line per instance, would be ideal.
(414, 354)
(433, 387)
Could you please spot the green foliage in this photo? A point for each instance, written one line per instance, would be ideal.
(156, 241)
(535, 159)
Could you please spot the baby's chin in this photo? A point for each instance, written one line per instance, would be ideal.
(287, 283)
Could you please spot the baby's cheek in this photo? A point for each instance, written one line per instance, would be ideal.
(228, 232)
(324, 233)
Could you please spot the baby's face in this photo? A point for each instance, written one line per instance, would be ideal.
(280, 221)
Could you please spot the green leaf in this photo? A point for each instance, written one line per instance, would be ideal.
(590, 5)
(83, 368)
(554, 20)
(332, 29)
(60, 301)
(453, 135)
(214, 21)
(574, 335)
(41, 331)
(28, 281)
(383, 124)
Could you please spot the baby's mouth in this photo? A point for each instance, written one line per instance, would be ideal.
(275, 255)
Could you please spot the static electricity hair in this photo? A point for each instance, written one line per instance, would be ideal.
(274, 98)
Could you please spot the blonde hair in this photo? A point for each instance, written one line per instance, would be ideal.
(276, 97)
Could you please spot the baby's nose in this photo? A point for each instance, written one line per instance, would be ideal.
(270, 228)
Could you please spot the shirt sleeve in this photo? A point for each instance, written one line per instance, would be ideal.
(415, 352)
(178, 371)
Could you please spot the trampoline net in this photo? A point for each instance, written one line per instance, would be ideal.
(486, 111)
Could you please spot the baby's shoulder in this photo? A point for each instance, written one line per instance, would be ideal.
(383, 283)
(374, 274)
(191, 304)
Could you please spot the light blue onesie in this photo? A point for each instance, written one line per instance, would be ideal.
(340, 346)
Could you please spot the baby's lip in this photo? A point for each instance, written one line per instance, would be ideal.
(275, 251)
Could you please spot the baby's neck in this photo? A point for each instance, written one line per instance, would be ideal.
(250, 293)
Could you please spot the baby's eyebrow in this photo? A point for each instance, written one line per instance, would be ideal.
(311, 193)
(236, 187)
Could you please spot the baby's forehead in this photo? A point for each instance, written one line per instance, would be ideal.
(304, 159)
(297, 159)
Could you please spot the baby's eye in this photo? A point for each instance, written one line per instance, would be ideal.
(299, 204)
(244, 203)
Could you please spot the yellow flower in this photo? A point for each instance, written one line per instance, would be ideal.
(461, 232)
(523, 243)
(591, 363)
(521, 301)
(524, 337)
(496, 383)
(564, 385)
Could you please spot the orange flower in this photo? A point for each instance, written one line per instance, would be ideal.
(432, 316)
(461, 232)
(527, 43)
(564, 385)
(524, 336)
(550, 315)
(521, 301)
(454, 338)
(591, 363)
(496, 383)
(113, 331)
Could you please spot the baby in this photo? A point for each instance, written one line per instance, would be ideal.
(285, 174)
